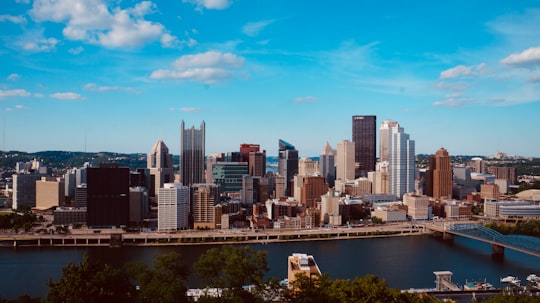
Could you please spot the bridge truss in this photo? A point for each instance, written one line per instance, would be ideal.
(525, 244)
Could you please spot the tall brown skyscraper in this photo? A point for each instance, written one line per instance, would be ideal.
(256, 160)
(439, 176)
(364, 133)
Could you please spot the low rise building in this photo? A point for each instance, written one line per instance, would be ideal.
(389, 214)
(492, 208)
(417, 206)
(301, 264)
(69, 215)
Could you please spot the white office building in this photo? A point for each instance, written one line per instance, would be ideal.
(401, 162)
(173, 207)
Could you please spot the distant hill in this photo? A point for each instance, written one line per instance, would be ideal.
(60, 160)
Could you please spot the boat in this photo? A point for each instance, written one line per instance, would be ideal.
(477, 285)
(533, 278)
(509, 279)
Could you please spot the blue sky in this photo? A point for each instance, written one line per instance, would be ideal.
(100, 75)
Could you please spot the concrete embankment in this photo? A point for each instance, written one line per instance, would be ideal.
(116, 238)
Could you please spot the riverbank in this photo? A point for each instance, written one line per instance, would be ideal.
(117, 238)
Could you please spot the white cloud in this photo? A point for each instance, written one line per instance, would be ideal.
(13, 19)
(306, 99)
(527, 58)
(452, 101)
(39, 44)
(13, 93)
(210, 58)
(455, 86)
(204, 75)
(253, 29)
(463, 71)
(91, 21)
(95, 88)
(190, 109)
(16, 107)
(13, 77)
(192, 42)
(210, 4)
(209, 67)
(76, 50)
(66, 96)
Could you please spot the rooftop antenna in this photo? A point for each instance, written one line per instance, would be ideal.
(85, 140)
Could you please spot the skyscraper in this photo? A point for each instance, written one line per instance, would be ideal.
(288, 163)
(401, 162)
(192, 151)
(108, 195)
(345, 160)
(326, 164)
(160, 164)
(439, 175)
(365, 148)
(173, 207)
(384, 133)
(203, 199)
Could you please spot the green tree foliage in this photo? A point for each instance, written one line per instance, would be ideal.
(230, 268)
(367, 289)
(530, 228)
(163, 283)
(23, 219)
(90, 282)
(376, 220)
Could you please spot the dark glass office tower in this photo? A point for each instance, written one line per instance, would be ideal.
(108, 196)
(365, 148)
(192, 148)
(288, 164)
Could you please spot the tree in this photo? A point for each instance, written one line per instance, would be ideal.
(230, 268)
(90, 282)
(163, 283)
(366, 289)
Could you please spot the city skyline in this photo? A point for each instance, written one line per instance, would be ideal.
(96, 75)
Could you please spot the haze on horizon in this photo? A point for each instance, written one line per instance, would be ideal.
(98, 75)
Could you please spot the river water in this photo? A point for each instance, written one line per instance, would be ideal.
(404, 262)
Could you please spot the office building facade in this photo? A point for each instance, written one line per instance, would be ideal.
(345, 160)
(204, 198)
(160, 163)
(288, 164)
(192, 152)
(439, 176)
(108, 196)
(384, 136)
(401, 163)
(364, 136)
(327, 167)
(173, 207)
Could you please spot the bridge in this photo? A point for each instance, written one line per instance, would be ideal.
(498, 241)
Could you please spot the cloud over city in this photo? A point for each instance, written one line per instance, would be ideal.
(93, 22)
(209, 67)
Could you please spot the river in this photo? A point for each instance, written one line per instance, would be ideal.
(404, 262)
